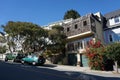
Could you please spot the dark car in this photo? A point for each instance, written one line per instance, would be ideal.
(19, 57)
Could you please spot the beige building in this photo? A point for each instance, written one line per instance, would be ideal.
(79, 31)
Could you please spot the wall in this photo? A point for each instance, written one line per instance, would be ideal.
(115, 32)
(99, 31)
(80, 27)
(112, 22)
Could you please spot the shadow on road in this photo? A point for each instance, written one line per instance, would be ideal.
(49, 65)
(18, 72)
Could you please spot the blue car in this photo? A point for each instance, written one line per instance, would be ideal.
(33, 59)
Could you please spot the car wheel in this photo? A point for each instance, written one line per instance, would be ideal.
(33, 63)
(6, 59)
(22, 62)
(14, 60)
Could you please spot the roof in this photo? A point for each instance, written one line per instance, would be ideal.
(112, 14)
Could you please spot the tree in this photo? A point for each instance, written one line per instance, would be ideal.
(113, 52)
(2, 50)
(57, 38)
(29, 35)
(56, 48)
(2, 41)
(71, 14)
(2, 38)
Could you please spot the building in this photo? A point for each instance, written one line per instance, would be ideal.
(2, 39)
(79, 31)
(91, 26)
(49, 26)
(112, 27)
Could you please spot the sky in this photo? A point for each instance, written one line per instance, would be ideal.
(43, 12)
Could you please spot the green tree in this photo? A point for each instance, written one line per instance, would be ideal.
(71, 14)
(57, 38)
(2, 40)
(29, 35)
(113, 52)
(2, 37)
(2, 50)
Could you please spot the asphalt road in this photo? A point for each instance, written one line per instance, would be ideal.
(15, 71)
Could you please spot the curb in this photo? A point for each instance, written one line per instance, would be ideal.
(80, 69)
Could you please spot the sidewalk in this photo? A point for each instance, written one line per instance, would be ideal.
(85, 70)
(78, 68)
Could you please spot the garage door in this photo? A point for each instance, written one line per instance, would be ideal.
(84, 61)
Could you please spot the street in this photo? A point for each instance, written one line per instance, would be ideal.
(16, 71)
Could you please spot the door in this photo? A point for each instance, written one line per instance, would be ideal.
(72, 59)
(85, 61)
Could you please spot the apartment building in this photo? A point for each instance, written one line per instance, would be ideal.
(79, 31)
(61, 22)
(112, 27)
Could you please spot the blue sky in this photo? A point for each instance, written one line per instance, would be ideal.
(43, 12)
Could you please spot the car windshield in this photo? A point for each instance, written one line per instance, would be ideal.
(11, 54)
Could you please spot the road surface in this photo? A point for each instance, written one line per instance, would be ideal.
(16, 71)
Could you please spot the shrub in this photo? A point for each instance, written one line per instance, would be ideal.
(95, 54)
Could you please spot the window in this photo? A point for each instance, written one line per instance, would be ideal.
(110, 38)
(87, 43)
(93, 28)
(76, 26)
(116, 19)
(68, 29)
(84, 23)
(81, 45)
(78, 44)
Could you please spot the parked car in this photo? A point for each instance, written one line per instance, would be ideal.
(33, 59)
(10, 56)
(19, 57)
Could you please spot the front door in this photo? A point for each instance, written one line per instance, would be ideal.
(72, 59)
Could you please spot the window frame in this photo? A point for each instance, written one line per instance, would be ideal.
(85, 23)
(110, 38)
(116, 20)
(76, 26)
(68, 29)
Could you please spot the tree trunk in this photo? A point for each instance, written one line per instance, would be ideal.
(10, 49)
(116, 67)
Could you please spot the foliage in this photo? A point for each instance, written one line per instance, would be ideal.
(113, 51)
(11, 45)
(71, 14)
(48, 53)
(29, 35)
(57, 38)
(2, 38)
(2, 49)
(95, 53)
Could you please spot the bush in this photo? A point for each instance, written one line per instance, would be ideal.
(95, 54)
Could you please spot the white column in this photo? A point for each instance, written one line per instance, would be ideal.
(78, 59)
